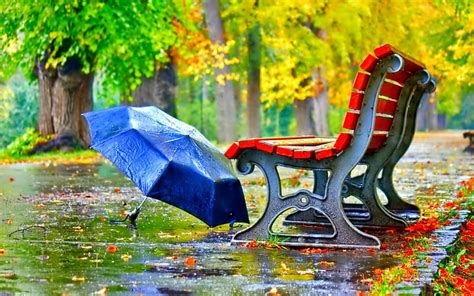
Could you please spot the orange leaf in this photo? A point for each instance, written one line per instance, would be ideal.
(326, 263)
(123, 214)
(189, 261)
(3, 251)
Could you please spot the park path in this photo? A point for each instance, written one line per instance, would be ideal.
(68, 245)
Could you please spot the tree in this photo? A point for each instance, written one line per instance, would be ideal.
(226, 106)
(158, 90)
(71, 41)
(253, 82)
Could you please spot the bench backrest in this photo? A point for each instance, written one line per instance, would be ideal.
(389, 95)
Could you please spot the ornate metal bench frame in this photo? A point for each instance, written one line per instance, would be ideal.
(364, 187)
(326, 199)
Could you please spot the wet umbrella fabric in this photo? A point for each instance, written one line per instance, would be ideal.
(170, 161)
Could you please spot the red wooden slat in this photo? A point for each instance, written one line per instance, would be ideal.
(369, 63)
(250, 143)
(400, 77)
(284, 151)
(390, 90)
(383, 123)
(325, 153)
(355, 102)
(350, 121)
(361, 81)
(303, 154)
(343, 141)
(263, 146)
(384, 51)
(411, 64)
(377, 141)
(233, 151)
(386, 107)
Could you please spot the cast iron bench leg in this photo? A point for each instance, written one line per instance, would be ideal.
(371, 213)
(345, 234)
(395, 202)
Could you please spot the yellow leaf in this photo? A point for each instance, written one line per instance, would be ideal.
(102, 291)
(126, 257)
(78, 279)
(283, 265)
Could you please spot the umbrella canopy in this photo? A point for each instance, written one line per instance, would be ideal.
(170, 161)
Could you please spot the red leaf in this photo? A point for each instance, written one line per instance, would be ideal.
(112, 249)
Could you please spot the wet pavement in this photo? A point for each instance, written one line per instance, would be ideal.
(57, 238)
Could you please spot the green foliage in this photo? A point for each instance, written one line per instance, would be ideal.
(123, 40)
(24, 144)
(464, 119)
(276, 120)
(18, 108)
(336, 118)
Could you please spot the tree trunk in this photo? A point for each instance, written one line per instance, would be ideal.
(319, 104)
(253, 83)
(159, 90)
(46, 79)
(303, 117)
(65, 93)
(226, 109)
(427, 115)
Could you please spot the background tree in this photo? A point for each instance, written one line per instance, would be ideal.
(70, 41)
(226, 115)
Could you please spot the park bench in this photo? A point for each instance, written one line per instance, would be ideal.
(378, 129)
(470, 136)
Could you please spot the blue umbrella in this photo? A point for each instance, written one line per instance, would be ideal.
(170, 161)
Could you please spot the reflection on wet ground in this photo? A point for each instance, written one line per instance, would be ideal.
(56, 235)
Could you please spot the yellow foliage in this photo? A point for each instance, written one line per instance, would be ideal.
(299, 36)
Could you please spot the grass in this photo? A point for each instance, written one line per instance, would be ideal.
(76, 156)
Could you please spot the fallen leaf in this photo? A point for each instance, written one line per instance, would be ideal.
(9, 221)
(78, 278)
(189, 261)
(116, 190)
(326, 263)
(283, 265)
(126, 257)
(112, 249)
(3, 251)
(102, 291)
(273, 292)
(123, 214)
(8, 275)
(11, 179)
(307, 271)
(78, 229)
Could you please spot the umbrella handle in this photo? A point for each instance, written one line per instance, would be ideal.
(133, 215)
